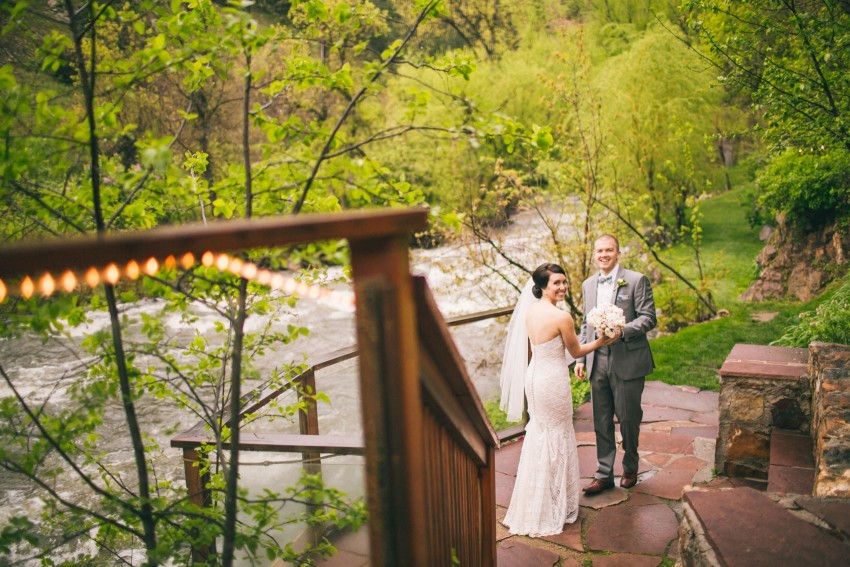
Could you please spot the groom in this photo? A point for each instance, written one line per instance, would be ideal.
(617, 372)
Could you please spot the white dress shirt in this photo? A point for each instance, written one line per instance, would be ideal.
(605, 291)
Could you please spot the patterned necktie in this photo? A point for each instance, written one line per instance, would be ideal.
(606, 279)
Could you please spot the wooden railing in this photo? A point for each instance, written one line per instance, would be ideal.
(428, 445)
(460, 446)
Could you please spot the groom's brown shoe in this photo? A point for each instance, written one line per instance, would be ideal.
(598, 485)
(628, 480)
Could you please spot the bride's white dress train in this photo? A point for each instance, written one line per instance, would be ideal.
(546, 492)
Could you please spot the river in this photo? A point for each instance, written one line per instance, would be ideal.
(45, 371)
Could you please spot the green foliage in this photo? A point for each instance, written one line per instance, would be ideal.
(580, 394)
(580, 391)
(791, 59)
(829, 322)
(498, 418)
(811, 190)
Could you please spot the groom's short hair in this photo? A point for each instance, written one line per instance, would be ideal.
(612, 237)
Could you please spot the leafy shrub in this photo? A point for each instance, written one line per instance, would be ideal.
(829, 323)
(811, 190)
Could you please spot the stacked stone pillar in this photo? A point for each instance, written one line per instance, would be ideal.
(762, 387)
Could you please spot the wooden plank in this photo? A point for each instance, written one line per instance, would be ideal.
(334, 357)
(33, 258)
(282, 443)
(511, 433)
(391, 402)
(448, 411)
(479, 316)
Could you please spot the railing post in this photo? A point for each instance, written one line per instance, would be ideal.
(198, 494)
(308, 422)
(308, 418)
(391, 402)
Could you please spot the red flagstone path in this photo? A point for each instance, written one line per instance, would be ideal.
(637, 527)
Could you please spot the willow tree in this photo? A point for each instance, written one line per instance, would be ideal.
(625, 151)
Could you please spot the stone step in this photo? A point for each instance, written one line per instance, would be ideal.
(792, 465)
(742, 527)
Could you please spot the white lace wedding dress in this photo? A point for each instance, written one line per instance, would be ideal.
(546, 492)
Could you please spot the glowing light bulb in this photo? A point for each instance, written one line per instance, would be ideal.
(111, 274)
(290, 285)
(187, 261)
(314, 292)
(92, 277)
(2, 291)
(277, 281)
(207, 259)
(264, 277)
(47, 285)
(151, 266)
(170, 262)
(132, 270)
(27, 287)
(235, 266)
(222, 261)
(249, 271)
(68, 281)
(302, 288)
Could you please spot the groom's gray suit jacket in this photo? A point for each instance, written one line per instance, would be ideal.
(630, 357)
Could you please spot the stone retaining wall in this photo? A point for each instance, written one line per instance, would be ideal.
(829, 367)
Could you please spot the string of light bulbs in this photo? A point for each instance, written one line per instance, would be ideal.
(46, 284)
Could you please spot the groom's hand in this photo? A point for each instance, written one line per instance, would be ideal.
(579, 370)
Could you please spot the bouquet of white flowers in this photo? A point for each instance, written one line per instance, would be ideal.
(606, 319)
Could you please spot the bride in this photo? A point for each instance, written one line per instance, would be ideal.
(546, 491)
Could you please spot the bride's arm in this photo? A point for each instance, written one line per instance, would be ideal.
(577, 350)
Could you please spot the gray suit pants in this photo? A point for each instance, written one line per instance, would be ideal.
(614, 397)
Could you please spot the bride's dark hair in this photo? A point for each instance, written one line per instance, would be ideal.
(541, 277)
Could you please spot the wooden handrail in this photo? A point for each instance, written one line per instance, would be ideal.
(254, 400)
(479, 316)
(280, 442)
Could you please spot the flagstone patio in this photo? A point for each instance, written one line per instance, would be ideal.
(637, 527)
